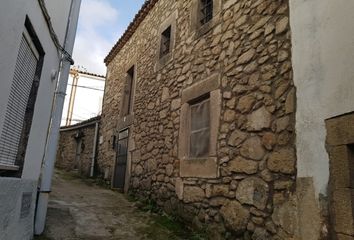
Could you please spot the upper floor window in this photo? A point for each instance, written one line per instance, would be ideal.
(206, 11)
(165, 42)
(127, 93)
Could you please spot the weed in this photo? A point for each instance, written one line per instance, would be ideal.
(41, 237)
(166, 225)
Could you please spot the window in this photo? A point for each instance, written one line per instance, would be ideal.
(165, 42)
(200, 128)
(205, 15)
(21, 101)
(198, 131)
(206, 11)
(127, 93)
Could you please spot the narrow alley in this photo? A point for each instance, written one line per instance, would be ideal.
(79, 209)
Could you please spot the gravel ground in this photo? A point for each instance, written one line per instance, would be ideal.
(80, 210)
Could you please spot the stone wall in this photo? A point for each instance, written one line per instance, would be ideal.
(249, 48)
(67, 149)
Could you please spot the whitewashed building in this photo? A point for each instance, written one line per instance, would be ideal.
(83, 97)
(33, 48)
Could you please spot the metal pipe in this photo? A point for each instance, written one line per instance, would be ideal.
(50, 153)
(72, 98)
(94, 150)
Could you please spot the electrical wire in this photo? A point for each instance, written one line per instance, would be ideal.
(52, 33)
(91, 88)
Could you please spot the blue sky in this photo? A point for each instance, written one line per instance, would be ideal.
(101, 23)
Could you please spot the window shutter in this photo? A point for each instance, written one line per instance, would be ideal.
(25, 70)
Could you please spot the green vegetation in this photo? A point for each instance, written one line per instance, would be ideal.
(42, 237)
(88, 181)
(164, 226)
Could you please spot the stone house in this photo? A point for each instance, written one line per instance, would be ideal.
(77, 149)
(199, 115)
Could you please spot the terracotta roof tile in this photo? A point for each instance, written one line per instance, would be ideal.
(139, 17)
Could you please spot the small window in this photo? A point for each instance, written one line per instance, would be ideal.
(200, 127)
(206, 11)
(127, 94)
(165, 42)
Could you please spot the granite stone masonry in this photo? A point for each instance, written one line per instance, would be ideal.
(241, 60)
(76, 147)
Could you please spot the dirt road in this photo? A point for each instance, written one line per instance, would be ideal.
(78, 210)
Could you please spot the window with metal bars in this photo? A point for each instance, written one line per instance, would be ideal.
(165, 42)
(200, 127)
(206, 11)
(20, 107)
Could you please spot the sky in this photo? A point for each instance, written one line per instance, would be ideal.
(101, 24)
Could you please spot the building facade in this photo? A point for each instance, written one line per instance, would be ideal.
(77, 149)
(31, 34)
(236, 115)
(84, 97)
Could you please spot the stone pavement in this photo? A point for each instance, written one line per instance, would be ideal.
(79, 210)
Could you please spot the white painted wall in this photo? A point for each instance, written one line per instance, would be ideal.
(12, 225)
(323, 63)
(12, 19)
(88, 100)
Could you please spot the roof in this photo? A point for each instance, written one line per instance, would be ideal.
(73, 70)
(139, 17)
(85, 123)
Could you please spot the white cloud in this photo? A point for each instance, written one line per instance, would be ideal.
(91, 46)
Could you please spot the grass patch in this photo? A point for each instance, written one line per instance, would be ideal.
(68, 175)
(164, 226)
(96, 181)
(42, 237)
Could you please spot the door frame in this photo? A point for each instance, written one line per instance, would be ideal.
(116, 159)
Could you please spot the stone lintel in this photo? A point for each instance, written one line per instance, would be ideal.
(199, 89)
(340, 130)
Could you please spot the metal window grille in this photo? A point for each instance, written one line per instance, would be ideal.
(200, 128)
(206, 10)
(24, 75)
(165, 42)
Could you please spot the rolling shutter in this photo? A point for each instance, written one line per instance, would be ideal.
(25, 70)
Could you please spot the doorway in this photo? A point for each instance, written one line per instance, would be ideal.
(121, 160)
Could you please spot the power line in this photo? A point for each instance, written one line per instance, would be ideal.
(92, 88)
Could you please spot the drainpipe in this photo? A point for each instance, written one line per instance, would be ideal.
(94, 150)
(50, 153)
(72, 97)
